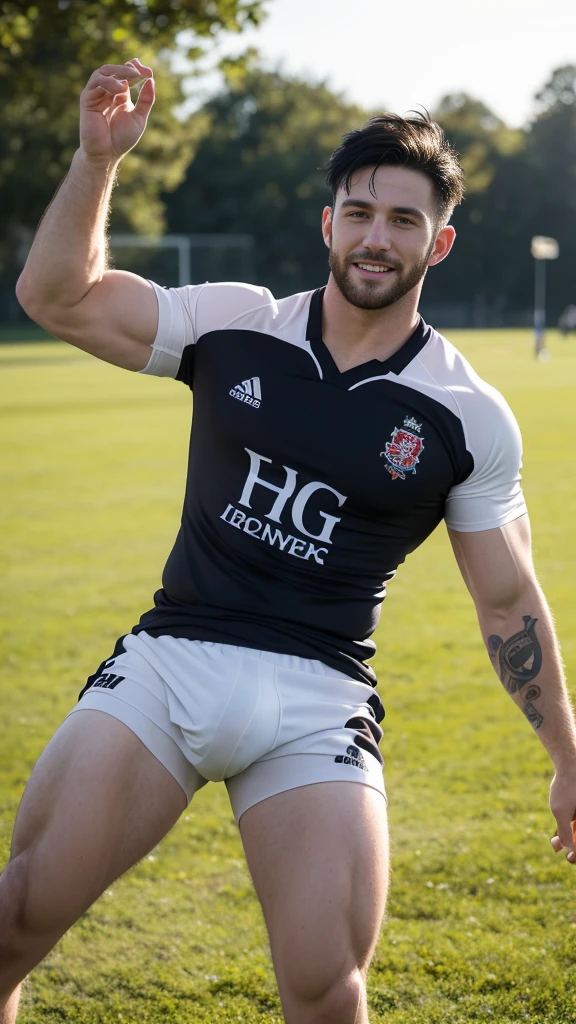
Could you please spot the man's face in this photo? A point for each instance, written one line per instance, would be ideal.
(380, 248)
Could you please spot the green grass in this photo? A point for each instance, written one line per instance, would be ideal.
(481, 920)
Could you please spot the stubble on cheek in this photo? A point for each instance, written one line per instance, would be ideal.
(364, 293)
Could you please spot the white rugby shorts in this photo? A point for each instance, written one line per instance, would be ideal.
(261, 722)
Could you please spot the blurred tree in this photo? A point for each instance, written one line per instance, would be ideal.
(551, 160)
(48, 49)
(474, 282)
(258, 171)
(480, 137)
(559, 91)
(528, 188)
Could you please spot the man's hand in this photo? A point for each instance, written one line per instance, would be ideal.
(563, 807)
(110, 124)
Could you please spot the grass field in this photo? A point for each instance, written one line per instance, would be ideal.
(481, 921)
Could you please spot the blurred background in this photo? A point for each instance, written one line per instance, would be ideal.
(253, 95)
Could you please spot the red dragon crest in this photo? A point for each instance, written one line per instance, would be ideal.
(402, 453)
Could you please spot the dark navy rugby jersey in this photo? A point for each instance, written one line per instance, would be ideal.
(307, 487)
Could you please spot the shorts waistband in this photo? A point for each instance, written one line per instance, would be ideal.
(285, 661)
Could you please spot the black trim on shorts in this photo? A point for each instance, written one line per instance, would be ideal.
(119, 649)
(368, 736)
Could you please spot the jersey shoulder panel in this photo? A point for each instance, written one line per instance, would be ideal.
(185, 314)
(491, 495)
(231, 305)
(256, 310)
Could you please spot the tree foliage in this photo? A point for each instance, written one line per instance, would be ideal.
(479, 136)
(530, 190)
(48, 49)
(559, 91)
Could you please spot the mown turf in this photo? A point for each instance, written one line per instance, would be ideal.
(481, 921)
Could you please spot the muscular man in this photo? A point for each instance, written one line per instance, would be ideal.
(333, 430)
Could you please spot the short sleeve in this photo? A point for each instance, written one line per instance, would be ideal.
(186, 314)
(491, 496)
(176, 328)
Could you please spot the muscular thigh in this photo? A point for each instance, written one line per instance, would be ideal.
(96, 802)
(319, 860)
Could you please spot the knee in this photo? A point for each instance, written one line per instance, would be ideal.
(29, 908)
(337, 1000)
(13, 903)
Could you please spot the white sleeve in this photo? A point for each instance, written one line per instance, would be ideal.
(176, 328)
(186, 314)
(491, 496)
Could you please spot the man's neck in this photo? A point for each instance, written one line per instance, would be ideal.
(354, 336)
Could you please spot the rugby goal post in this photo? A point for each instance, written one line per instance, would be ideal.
(184, 244)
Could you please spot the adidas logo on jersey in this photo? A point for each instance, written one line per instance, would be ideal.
(248, 392)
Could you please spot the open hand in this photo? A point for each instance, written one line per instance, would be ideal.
(110, 124)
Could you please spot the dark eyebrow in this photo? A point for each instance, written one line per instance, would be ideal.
(363, 204)
(411, 211)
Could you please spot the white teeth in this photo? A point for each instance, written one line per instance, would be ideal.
(375, 270)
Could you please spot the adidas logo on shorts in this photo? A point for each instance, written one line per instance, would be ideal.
(353, 756)
(248, 392)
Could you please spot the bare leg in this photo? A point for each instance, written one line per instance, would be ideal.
(319, 859)
(97, 801)
(8, 1014)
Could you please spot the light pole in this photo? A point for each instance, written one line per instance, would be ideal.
(542, 249)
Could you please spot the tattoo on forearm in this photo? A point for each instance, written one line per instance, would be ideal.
(519, 657)
(533, 716)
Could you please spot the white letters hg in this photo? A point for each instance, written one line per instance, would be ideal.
(262, 531)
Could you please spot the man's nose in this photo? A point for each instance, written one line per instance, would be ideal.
(377, 235)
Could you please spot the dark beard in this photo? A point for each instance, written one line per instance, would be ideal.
(367, 294)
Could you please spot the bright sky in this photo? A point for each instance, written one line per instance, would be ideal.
(411, 52)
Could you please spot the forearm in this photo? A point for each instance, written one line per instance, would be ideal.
(522, 645)
(69, 255)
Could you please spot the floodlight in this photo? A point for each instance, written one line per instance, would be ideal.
(543, 248)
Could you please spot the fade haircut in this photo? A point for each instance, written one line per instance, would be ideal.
(416, 142)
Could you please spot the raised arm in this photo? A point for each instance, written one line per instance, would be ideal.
(65, 285)
(518, 631)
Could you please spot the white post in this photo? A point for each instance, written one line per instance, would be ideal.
(184, 245)
(542, 249)
(180, 242)
(539, 305)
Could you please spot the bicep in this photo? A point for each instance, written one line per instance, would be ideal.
(117, 320)
(496, 564)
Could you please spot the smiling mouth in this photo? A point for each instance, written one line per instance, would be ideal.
(374, 268)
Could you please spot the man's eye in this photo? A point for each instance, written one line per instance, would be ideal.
(404, 220)
(357, 213)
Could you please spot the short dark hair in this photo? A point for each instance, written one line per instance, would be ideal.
(416, 142)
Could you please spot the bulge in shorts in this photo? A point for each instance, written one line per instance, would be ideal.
(261, 722)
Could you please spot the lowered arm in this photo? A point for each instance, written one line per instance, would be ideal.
(518, 631)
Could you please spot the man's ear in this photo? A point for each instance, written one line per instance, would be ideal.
(444, 242)
(327, 225)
